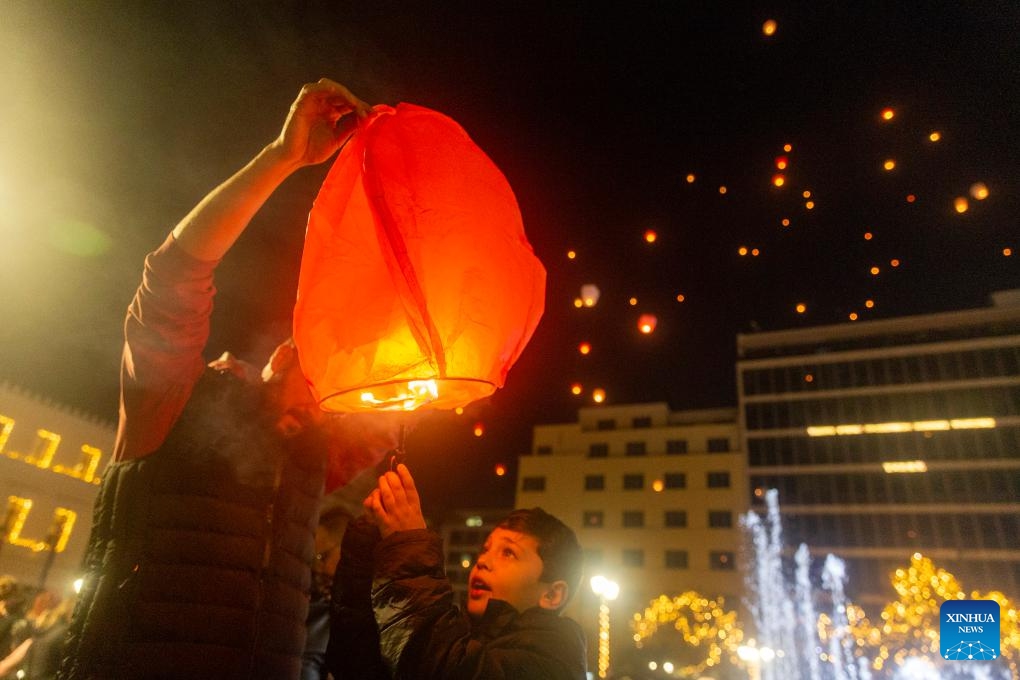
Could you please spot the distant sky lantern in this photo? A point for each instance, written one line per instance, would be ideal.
(911, 198)
(578, 302)
(781, 162)
(769, 27)
(722, 189)
(979, 191)
(590, 294)
(894, 263)
(571, 254)
(806, 194)
(479, 429)
(810, 205)
(868, 236)
(785, 222)
(598, 395)
(380, 321)
(646, 323)
(576, 388)
(500, 469)
(650, 236)
(742, 251)
(755, 252)
(584, 348)
(658, 485)
(680, 297)
(889, 164)
(787, 148)
(875, 271)
(853, 316)
(690, 178)
(809, 378)
(869, 303)
(888, 114)
(801, 308)
(935, 136)
(960, 204)
(459, 410)
(778, 180)
(632, 302)
(1008, 252)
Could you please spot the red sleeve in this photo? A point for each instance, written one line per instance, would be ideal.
(165, 333)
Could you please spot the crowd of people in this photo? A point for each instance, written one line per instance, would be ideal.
(33, 623)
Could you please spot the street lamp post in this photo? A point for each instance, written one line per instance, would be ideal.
(607, 591)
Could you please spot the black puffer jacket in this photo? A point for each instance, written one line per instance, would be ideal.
(198, 564)
(422, 635)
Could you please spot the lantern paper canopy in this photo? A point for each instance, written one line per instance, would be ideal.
(418, 287)
(646, 323)
(590, 294)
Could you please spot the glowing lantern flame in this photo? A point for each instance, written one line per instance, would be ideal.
(590, 294)
(500, 469)
(658, 485)
(806, 194)
(690, 178)
(853, 316)
(479, 429)
(578, 302)
(868, 236)
(584, 348)
(788, 148)
(722, 190)
(680, 297)
(961, 205)
(781, 162)
(785, 222)
(869, 303)
(935, 136)
(875, 271)
(598, 395)
(755, 252)
(632, 302)
(801, 308)
(742, 251)
(810, 205)
(769, 27)
(1007, 252)
(647, 323)
(894, 263)
(576, 388)
(778, 180)
(979, 191)
(650, 236)
(888, 114)
(571, 254)
(380, 321)
(889, 164)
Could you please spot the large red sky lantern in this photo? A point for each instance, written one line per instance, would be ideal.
(418, 287)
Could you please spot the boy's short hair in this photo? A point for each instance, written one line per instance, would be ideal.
(562, 559)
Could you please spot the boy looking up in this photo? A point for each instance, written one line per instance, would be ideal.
(526, 572)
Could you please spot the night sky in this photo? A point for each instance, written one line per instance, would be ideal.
(115, 119)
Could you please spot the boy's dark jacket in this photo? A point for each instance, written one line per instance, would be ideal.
(393, 596)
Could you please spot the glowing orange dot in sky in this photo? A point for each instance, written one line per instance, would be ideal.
(500, 469)
(479, 429)
(853, 316)
(911, 198)
(646, 323)
(875, 271)
(786, 222)
(801, 308)
(1007, 251)
(650, 236)
(769, 27)
(598, 395)
(576, 388)
(584, 348)
(888, 114)
(459, 410)
(935, 136)
(755, 252)
(722, 189)
(680, 297)
(578, 302)
(742, 251)
(894, 263)
(806, 194)
(632, 301)
(778, 180)
(658, 486)
(960, 204)
(781, 162)
(809, 378)
(889, 164)
(571, 254)
(810, 205)
(869, 303)
(868, 236)
(690, 178)
(979, 191)
(787, 148)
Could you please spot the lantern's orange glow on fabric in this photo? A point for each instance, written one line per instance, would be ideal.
(646, 323)
(418, 287)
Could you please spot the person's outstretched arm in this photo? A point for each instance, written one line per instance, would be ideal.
(168, 322)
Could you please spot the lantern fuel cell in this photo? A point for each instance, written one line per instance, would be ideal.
(418, 287)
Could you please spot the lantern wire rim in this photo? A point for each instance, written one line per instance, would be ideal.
(403, 381)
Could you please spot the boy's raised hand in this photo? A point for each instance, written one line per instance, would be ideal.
(394, 504)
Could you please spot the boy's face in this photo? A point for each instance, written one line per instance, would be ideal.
(509, 569)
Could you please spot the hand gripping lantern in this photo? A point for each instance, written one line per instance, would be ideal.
(418, 287)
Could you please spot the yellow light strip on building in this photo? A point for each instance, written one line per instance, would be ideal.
(45, 448)
(888, 428)
(57, 537)
(6, 425)
(904, 466)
